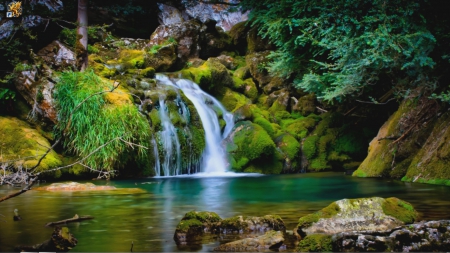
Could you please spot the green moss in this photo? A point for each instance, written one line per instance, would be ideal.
(185, 225)
(290, 149)
(250, 89)
(20, 142)
(327, 212)
(277, 107)
(135, 58)
(251, 142)
(232, 100)
(309, 146)
(242, 73)
(235, 223)
(316, 243)
(264, 123)
(148, 72)
(400, 209)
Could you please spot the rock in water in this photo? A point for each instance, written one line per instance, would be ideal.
(270, 240)
(365, 214)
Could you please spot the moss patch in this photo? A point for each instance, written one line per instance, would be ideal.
(316, 243)
(327, 212)
(400, 209)
(18, 140)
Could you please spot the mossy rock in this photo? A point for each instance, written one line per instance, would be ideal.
(20, 142)
(193, 225)
(316, 243)
(364, 214)
(249, 142)
(291, 151)
(232, 100)
(162, 57)
(381, 154)
(242, 73)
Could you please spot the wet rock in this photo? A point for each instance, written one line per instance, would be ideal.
(227, 61)
(255, 43)
(366, 214)
(270, 240)
(275, 84)
(57, 56)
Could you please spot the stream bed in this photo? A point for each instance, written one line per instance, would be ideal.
(148, 220)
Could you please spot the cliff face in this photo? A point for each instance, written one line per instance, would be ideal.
(412, 145)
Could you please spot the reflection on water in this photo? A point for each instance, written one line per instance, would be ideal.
(148, 219)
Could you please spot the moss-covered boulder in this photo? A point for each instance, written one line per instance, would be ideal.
(248, 143)
(24, 145)
(193, 225)
(365, 214)
(161, 57)
(305, 104)
(270, 240)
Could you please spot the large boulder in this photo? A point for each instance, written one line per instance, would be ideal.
(257, 63)
(270, 240)
(366, 214)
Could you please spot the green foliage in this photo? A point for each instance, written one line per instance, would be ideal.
(96, 122)
(349, 43)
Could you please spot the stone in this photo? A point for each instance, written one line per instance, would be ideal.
(187, 34)
(57, 56)
(270, 240)
(193, 225)
(36, 86)
(365, 214)
(256, 63)
(241, 224)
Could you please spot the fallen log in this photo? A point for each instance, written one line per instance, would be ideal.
(60, 241)
(75, 218)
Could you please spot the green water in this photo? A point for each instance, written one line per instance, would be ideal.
(149, 219)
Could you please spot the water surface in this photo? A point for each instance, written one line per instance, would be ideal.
(149, 219)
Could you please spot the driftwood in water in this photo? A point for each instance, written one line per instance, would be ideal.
(75, 218)
(61, 241)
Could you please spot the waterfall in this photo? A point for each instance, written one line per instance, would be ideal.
(214, 159)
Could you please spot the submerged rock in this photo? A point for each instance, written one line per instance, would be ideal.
(366, 214)
(270, 240)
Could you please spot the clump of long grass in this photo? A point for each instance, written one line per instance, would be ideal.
(86, 126)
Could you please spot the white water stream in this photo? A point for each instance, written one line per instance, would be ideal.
(214, 158)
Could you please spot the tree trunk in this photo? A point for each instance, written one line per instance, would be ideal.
(82, 35)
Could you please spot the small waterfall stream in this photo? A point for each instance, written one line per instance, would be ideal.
(214, 158)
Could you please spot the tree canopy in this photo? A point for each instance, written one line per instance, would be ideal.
(341, 49)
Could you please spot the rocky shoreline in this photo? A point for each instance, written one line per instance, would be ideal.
(348, 225)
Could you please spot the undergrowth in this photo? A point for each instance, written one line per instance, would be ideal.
(96, 122)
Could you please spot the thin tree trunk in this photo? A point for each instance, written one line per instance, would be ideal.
(82, 35)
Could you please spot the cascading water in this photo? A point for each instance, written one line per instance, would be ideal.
(214, 158)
